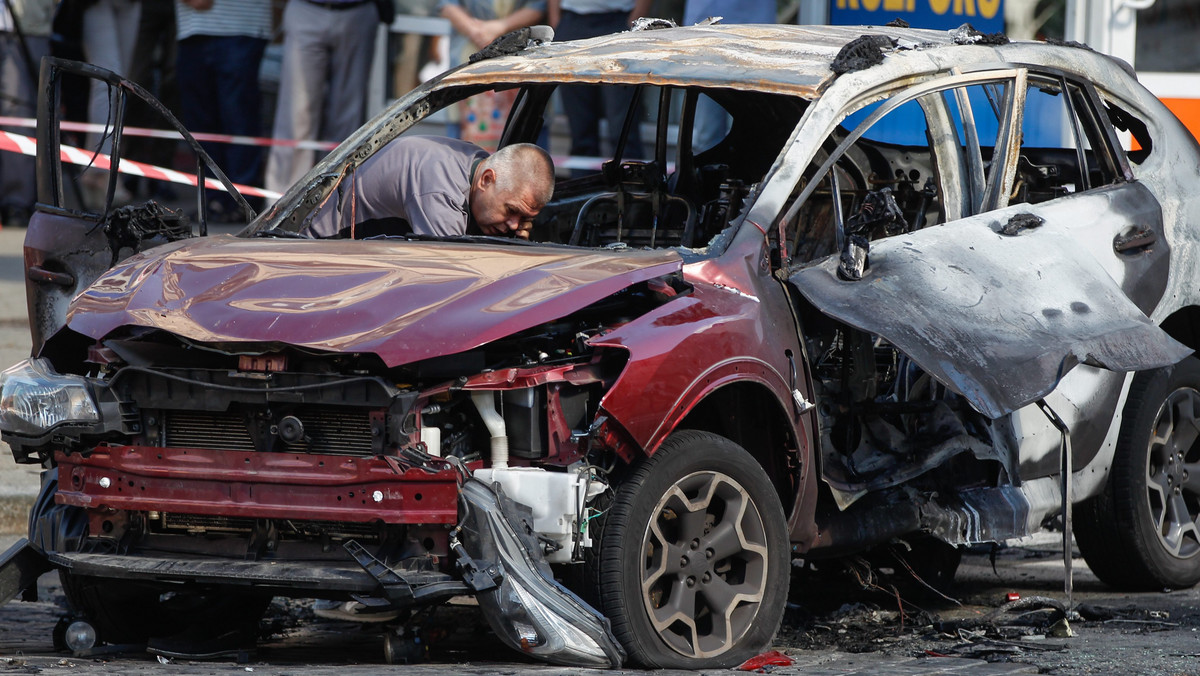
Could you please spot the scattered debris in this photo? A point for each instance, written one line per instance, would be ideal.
(1020, 223)
(771, 658)
(861, 53)
(513, 42)
(967, 35)
(1067, 43)
(897, 23)
(1061, 629)
(651, 24)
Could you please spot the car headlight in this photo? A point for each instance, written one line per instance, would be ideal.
(33, 399)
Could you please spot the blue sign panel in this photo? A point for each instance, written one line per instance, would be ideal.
(984, 15)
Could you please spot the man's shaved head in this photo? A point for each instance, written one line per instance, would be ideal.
(510, 187)
(524, 163)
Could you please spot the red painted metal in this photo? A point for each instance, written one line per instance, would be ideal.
(257, 485)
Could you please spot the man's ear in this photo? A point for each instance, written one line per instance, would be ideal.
(487, 178)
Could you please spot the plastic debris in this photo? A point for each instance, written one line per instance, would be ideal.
(771, 658)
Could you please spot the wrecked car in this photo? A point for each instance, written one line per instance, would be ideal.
(930, 286)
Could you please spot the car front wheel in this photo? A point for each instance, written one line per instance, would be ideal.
(1141, 532)
(694, 556)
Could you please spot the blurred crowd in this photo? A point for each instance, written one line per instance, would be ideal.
(204, 60)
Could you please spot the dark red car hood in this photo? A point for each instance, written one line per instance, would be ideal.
(404, 301)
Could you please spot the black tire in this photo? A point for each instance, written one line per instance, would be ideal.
(128, 611)
(1141, 532)
(744, 577)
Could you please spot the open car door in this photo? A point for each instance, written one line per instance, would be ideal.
(70, 241)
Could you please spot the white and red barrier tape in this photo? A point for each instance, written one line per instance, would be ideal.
(25, 145)
(572, 162)
(172, 135)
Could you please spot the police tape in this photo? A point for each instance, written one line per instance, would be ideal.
(572, 162)
(12, 142)
(172, 135)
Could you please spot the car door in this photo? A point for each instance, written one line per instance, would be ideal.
(994, 297)
(70, 241)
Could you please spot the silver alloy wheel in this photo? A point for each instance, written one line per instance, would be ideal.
(1173, 473)
(705, 564)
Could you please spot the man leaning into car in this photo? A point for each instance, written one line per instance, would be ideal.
(429, 185)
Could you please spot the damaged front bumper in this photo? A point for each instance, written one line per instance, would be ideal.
(500, 558)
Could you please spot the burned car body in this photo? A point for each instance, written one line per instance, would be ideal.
(889, 304)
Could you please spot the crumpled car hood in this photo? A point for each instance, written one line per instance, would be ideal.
(404, 301)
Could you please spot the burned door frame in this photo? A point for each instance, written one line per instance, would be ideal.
(67, 249)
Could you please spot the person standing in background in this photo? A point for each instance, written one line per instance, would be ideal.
(152, 67)
(110, 32)
(476, 23)
(221, 44)
(24, 40)
(327, 51)
(585, 105)
(712, 122)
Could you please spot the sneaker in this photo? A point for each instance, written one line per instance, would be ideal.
(353, 611)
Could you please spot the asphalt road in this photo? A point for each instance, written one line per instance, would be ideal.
(836, 624)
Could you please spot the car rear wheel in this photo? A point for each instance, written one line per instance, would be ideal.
(1141, 532)
(128, 611)
(694, 556)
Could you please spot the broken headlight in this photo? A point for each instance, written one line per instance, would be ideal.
(34, 399)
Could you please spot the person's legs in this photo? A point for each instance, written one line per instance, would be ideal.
(301, 91)
(201, 92)
(617, 101)
(236, 61)
(581, 103)
(711, 125)
(585, 105)
(152, 65)
(109, 36)
(17, 99)
(349, 67)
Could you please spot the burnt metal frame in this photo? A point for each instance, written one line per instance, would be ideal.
(49, 162)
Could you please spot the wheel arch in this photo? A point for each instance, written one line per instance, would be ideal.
(1184, 325)
(749, 414)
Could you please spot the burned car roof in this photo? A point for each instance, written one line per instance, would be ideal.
(777, 58)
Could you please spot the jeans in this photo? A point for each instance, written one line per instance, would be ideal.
(585, 105)
(218, 93)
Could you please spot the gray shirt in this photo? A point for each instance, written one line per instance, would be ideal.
(423, 180)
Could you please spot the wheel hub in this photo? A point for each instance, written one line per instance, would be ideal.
(705, 564)
(1173, 458)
